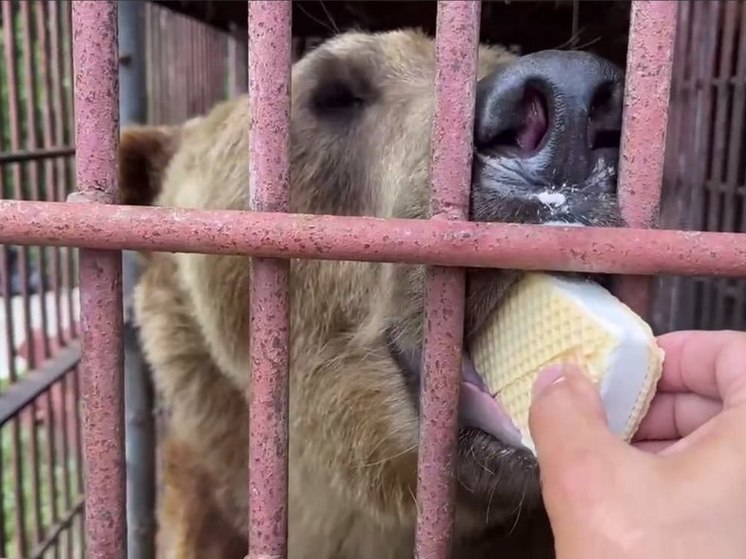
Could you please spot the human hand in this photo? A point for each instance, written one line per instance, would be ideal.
(679, 491)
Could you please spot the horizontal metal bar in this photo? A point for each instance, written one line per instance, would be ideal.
(35, 155)
(367, 239)
(20, 394)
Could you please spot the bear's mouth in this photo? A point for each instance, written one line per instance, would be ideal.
(479, 407)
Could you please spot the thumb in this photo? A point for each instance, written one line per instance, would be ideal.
(567, 420)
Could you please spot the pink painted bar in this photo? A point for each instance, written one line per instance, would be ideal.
(366, 239)
(452, 143)
(648, 83)
(96, 83)
(269, 90)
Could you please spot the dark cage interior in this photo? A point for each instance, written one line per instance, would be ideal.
(599, 26)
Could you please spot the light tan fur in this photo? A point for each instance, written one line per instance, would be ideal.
(353, 428)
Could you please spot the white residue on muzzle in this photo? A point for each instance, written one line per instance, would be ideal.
(552, 200)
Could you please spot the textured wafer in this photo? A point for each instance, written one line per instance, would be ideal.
(547, 319)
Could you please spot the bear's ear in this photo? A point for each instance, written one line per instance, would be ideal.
(144, 154)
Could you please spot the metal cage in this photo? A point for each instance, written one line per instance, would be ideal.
(94, 222)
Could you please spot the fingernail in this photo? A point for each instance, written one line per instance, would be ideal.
(547, 377)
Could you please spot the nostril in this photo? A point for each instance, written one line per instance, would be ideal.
(527, 136)
(604, 118)
(534, 127)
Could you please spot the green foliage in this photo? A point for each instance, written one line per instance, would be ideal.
(16, 61)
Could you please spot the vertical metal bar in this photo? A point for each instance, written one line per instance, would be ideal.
(209, 67)
(151, 61)
(11, 73)
(722, 196)
(646, 97)
(78, 428)
(96, 86)
(32, 142)
(725, 75)
(737, 151)
(10, 344)
(184, 74)
(67, 493)
(199, 68)
(238, 68)
(667, 309)
(187, 47)
(3, 478)
(14, 125)
(66, 74)
(181, 62)
(269, 89)
(706, 72)
(44, 19)
(701, 65)
(80, 463)
(157, 64)
(215, 67)
(168, 76)
(138, 394)
(687, 33)
(456, 46)
(201, 65)
(52, 458)
(30, 84)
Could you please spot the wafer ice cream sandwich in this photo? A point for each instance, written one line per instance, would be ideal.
(547, 319)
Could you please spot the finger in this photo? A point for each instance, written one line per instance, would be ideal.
(709, 363)
(675, 415)
(567, 419)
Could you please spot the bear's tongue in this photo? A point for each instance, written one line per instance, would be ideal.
(478, 408)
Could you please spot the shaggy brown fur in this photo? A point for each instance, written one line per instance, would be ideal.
(361, 119)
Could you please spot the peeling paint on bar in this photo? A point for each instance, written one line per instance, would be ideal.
(451, 144)
(646, 98)
(96, 83)
(269, 90)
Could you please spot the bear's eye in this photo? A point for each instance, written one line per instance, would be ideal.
(336, 96)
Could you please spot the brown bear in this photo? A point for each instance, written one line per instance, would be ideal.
(547, 132)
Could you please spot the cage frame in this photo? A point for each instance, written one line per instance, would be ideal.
(93, 221)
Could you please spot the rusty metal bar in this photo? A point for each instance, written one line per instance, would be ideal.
(368, 239)
(646, 97)
(456, 44)
(269, 88)
(96, 85)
